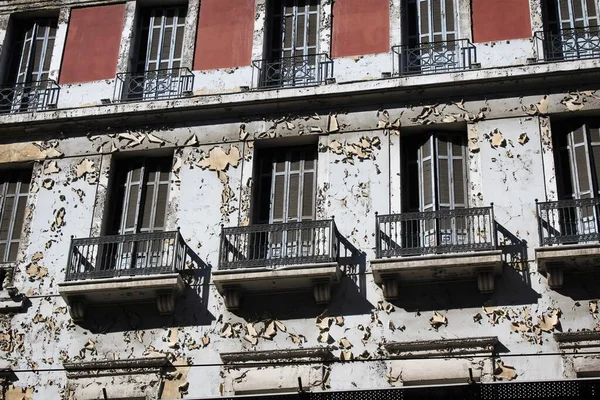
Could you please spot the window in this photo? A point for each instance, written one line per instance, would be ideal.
(32, 51)
(293, 46)
(14, 188)
(29, 66)
(286, 193)
(140, 195)
(139, 203)
(435, 176)
(578, 167)
(578, 160)
(435, 180)
(157, 72)
(572, 27)
(431, 42)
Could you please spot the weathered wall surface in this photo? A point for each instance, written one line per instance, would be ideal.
(358, 169)
(511, 163)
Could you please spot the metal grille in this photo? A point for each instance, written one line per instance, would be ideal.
(27, 97)
(154, 85)
(577, 389)
(435, 232)
(302, 70)
(278, 244)
(126, 255)
(568, 221)
(541, 390)
(435, 57)
(569, 44)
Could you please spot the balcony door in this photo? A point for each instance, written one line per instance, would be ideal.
(430, 34)
(578, 171)
(286, 194)
(293, 33)
(568, 25)
(139, 203)
(435, 179)
(29, 65)
(160, 43)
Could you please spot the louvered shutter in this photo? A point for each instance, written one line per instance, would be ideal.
(161, 47)
(427, 175)
(142, 197)
(14, 189)
(35, 52)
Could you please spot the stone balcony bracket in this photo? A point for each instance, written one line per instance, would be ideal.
(481, 266)
(233, 284)
(555, 261)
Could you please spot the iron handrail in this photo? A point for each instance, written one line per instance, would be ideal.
(279, 244)
(433, 57)
(29, 96)
(568, 44)
(160, 84)
(292, 71)
(435, 232)
(126, 255)
(568, 221)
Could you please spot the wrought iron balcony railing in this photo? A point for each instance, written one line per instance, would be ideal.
(434, 57)
(29, 96)
(161, 84)
(568, 221)
(126, 255)
(303, 70)
(568, 44)
(435, 232)
(279, 244)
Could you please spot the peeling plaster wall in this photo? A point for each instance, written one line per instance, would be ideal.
(511, 162)
(358, 173)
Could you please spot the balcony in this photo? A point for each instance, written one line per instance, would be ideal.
(278, 257)
(436, 245)
(29, 97)
(569, 44)
(433, 58)
(162, 84)
(569, 238)
(124, 268)
(294, 71)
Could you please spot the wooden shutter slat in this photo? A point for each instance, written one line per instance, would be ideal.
(19, 217)
(161, 206)
(437, 15)
(293, 196)
(424, 30)
(7, 213)
(278, 198)
(308, 196)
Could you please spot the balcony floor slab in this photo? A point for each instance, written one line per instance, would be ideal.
(437, 266)
(121, 289)
(573, 256)
(279, 279)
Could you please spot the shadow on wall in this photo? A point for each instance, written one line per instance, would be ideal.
(581, 286)
(190, 308)
(512, 287)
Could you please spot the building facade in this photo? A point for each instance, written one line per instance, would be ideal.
(222, 198)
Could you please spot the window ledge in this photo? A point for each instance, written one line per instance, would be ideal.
(273, 356)
(90, 369)
(163, 288)
(555, 260)
(10, 303)
(482, 266)
(232, 283)
(444, 347)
